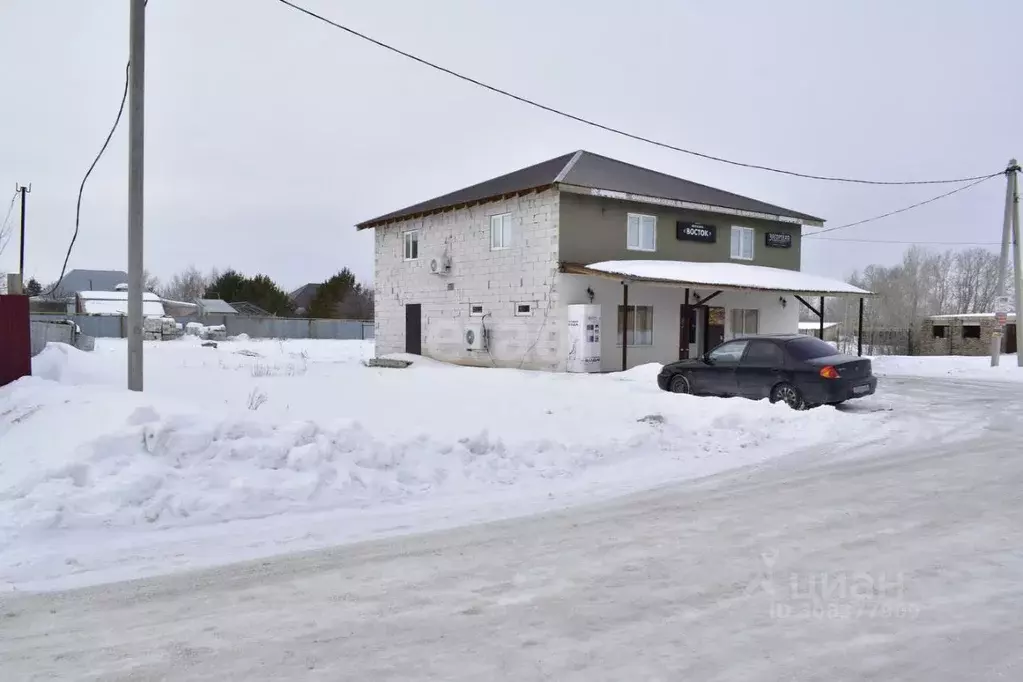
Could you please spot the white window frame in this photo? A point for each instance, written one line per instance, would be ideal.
(621, 334)
(526, 313)
(407, 238)
(743, 233)
(500, 231)
(743, 332)
(634, 237)
(482, 310)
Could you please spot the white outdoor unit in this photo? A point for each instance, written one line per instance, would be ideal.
(440, 265)
(583, 338)
(474, 336)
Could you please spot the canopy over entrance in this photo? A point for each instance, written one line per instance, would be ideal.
(723, 276)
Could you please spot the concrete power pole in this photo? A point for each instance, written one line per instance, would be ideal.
(1017, 265)
(136, 123)
(21, 256)
(1003, 260)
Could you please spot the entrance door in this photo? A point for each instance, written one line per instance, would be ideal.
(715, 329)
(414, 328)
(1010, 338)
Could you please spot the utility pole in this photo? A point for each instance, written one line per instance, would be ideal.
(1017, 265)
(1003, 261)
(136, 122)
(21, 258)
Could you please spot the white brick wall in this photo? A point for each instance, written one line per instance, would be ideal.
(526, 272)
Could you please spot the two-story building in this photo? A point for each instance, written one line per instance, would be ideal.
(585, 263)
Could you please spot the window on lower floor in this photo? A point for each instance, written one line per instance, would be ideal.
(745, 322)
(637, 324)
(971, 331)
(939, 331)
(476, 309)
(523, 309)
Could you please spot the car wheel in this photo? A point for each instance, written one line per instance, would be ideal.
(679, 384)
(788, 394)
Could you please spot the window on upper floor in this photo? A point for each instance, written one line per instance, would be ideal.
(411, 245)
(500, 231)
(641, 232)
(742, 243)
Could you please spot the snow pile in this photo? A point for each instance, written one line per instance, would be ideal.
(186, 468)
(240, 444)
(948, 366)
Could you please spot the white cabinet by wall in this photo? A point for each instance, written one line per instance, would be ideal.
(583, 338)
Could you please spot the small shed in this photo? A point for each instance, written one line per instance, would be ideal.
(965, 334)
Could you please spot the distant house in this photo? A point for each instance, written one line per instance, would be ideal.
(115, 303)
(250, 309)
(90, 280)
(302, 297)
(811, 328)
(214, 306)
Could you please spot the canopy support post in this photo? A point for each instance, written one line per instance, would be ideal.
(859, 332)
(625, 324)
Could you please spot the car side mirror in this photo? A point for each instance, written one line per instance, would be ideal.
(706, 359)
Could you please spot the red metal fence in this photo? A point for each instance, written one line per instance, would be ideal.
(15, 339)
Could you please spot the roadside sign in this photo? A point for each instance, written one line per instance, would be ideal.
(1000, 318)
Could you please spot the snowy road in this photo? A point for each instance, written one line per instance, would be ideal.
(906, 566)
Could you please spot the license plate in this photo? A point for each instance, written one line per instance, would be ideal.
(859, 390)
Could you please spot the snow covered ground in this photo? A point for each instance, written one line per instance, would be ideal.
(905, 565)
(949, 366)
(258, 448)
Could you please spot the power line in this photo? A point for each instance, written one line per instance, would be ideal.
(4, 235)
(607, 128)
(10, 209)
(85, 178)
(896, 241)
(81, 187)
(904, 209)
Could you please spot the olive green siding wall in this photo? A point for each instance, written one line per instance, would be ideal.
(593, 229)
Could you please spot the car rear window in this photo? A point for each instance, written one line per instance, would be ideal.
(810, 348)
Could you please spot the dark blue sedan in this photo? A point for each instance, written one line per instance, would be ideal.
(799, 370)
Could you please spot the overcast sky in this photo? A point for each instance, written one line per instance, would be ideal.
(269, 134)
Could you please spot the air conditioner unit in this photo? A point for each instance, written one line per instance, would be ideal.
(474, 336)
(440, 265)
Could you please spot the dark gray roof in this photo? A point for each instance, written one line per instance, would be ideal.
(91, 280)
(303, 296)
(593, 171)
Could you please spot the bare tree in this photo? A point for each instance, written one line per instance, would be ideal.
(186, 285)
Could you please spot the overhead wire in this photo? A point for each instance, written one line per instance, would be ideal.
(92, 166)
(5, 236)
(85, 178)
(608, 128)
(918, 204)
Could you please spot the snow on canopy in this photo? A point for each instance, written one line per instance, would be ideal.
(727, 275)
